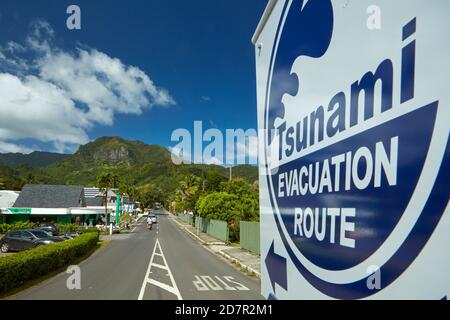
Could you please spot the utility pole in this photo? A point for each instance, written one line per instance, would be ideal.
(231, 169)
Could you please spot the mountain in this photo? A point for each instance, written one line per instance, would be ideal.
(135, 162)
(36, 159)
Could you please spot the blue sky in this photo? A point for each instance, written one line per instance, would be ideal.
(198, 53)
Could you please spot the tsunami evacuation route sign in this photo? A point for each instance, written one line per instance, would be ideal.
(347, 195)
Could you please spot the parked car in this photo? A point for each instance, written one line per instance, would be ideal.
(19, 240)
(68, 236)
(50, 227)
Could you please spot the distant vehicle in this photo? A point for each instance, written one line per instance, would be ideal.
(50, 227)
(115, 228)
(153, 216)
(26, 239)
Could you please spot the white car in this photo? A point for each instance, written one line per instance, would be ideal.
(153, 216)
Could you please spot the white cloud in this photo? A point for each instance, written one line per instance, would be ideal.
(180, 155)
(57, 96)
(13, 148)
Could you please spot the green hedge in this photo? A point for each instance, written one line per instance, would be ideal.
(72, 228)
(4, 227)
(62, 228)
(31, 264)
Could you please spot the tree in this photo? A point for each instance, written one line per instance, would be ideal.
(248, 197)
(238, 200)
(130, 191)
(107, 181)
(30, 178)
(219, 205)
(237, 186)
(213, 182)
(188, 193)
(151, 194)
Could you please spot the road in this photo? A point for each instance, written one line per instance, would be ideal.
(163, 263)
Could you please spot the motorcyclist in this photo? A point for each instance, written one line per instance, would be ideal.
(149, 222)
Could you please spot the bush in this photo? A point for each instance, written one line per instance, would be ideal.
(88, 230)
(31, 264)
(71, 228)
(219, 206)
(4, 227)
(62, 228)
(125, 217)
(234, 229)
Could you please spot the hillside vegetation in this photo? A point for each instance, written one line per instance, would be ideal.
(146, 167)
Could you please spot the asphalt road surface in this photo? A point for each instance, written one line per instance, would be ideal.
(158, 264)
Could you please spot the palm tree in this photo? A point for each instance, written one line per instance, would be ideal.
(189, 186)
(106, 181)
(130, 191)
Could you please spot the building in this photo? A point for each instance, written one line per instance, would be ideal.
(54, 203)
(93, 194)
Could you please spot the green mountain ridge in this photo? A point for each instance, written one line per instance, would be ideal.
(36, 159)
(136, 163)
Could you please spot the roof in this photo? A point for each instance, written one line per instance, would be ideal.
(111, 194)
(94, 202)
(94, 192)
(7, 198)
(91, 192)
(50, 196)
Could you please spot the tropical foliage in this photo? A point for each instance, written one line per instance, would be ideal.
(146, 172)
(230, 201)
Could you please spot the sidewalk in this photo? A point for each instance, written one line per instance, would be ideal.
(240, 257)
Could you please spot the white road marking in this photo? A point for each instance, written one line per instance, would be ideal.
(136, 225)
(159, 266)
(147, 280)
(206, 283)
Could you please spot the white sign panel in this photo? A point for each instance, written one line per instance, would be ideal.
(354, 119)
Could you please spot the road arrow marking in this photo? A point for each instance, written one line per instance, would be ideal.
(277, 268)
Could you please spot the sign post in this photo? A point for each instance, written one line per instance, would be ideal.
(117, 210)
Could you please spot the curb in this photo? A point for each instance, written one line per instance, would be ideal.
(190, 233)
(223, 254)
(234, 260)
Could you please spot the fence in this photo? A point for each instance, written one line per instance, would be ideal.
(183, 217)
(249, 236)
(215, 228)
(201, 224)
(249, 231)
(186, 218)
(218, 229)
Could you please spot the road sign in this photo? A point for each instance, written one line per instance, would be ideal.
(19, 210)
(353, 113)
